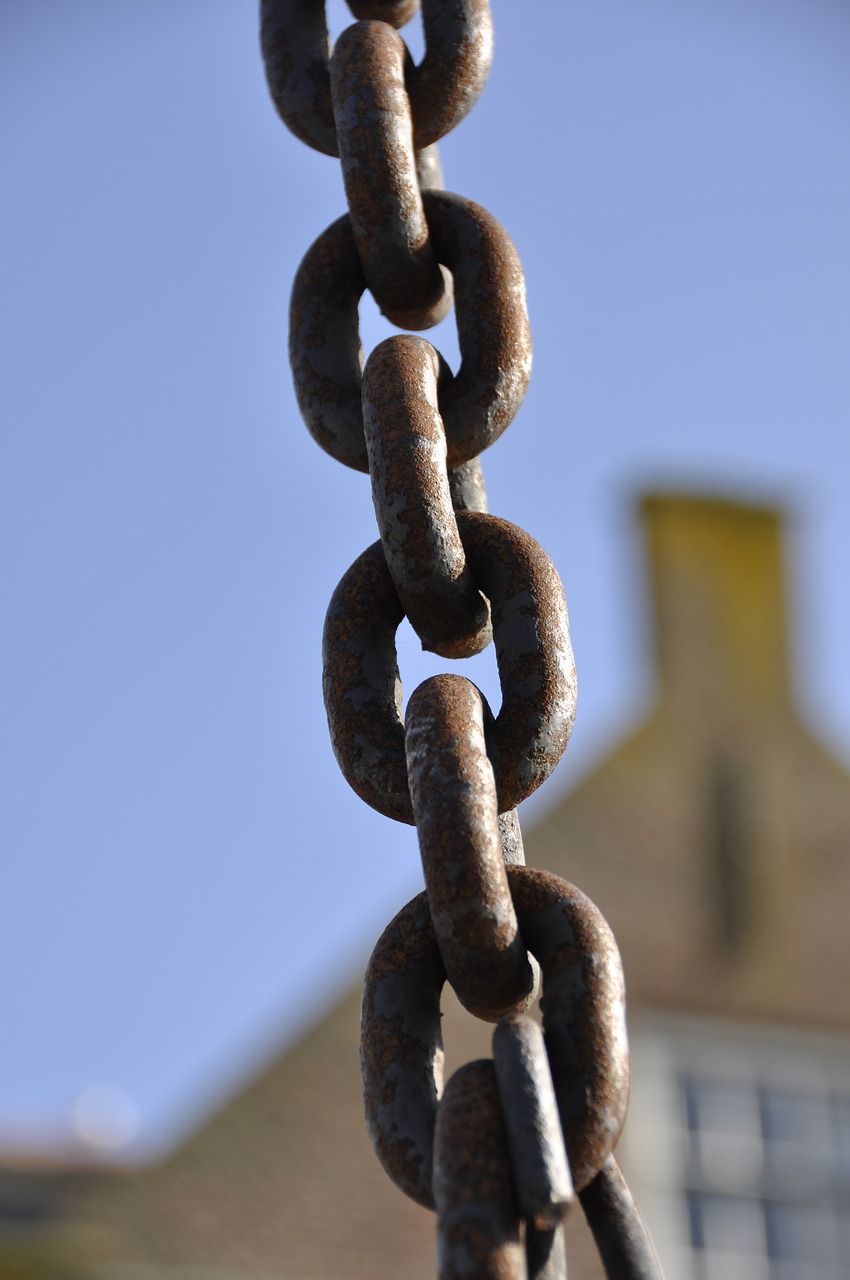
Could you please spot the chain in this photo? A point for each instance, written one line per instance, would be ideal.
(503, 1150)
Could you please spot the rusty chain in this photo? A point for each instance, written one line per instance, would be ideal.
(503, 1150)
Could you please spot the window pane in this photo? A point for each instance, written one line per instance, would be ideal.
(799, 1132)
(803, 1231)
(727, 1224)
(841, 1108)
(726, 1125)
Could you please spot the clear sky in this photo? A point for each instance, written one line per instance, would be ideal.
(188, 877)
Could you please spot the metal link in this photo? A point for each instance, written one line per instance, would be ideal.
(618, 1229)
(542, 1182)
(478, 1227)
(401, 1048)
(466, 486)
(546, 1253)
(583, 1015)
(536, 670)
(476, 403)
(295, 45)
(454, 805)
(449, 79)
(406, 444)
(429, 171)
(442, 89)
(511, 837)
(375, 136)
(583, 1022)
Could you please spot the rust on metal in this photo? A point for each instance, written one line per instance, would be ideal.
(361, 681)
(454, 806)
(442, 88)
(401, 1048)
(500, 1153)
(466, 486)
(374, 133)
(294, 41)
(583, 1013)
(480, 400)
(478, 1226)
(542, 1182)
(583, 1024)
(513, 850)
(533, 651)
(429, 170)
(324, 343)
(545, 1252)
(406, 444)
(619, 1231)
(450, 77)
(362, 686)
(494, 336)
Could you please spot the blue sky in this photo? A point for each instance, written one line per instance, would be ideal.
(189, 877)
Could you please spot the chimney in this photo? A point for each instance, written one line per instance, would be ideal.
(719, 607)
(722, 643)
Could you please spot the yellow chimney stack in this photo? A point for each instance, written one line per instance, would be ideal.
(720, 614)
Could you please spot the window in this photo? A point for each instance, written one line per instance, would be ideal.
(739, 1146)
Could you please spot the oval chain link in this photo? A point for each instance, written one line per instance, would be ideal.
(442, 88)
(500, 1151)
(479, 401)
(411, 490)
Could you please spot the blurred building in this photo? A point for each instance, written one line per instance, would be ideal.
(714, 838)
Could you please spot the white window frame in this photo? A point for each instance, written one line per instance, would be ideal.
(656, 1143)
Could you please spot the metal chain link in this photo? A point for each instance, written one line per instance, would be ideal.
(502, 1151)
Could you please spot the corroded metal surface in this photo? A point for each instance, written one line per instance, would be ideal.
(513, 850)
(546, 1253)
(499, 1154)
(478, 1226)
(406, 446)
(429, 170)
(295, 43)
(324, 343)
(450, 77)
(480, 400)
(454, 806)
(584, 1019)
(618, 1229)
(401, 1048)
(542, 1181)
(442, 88)
(362, 686)
(583, 1022)
(374, 132)
(536, 669)
(466, 486)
